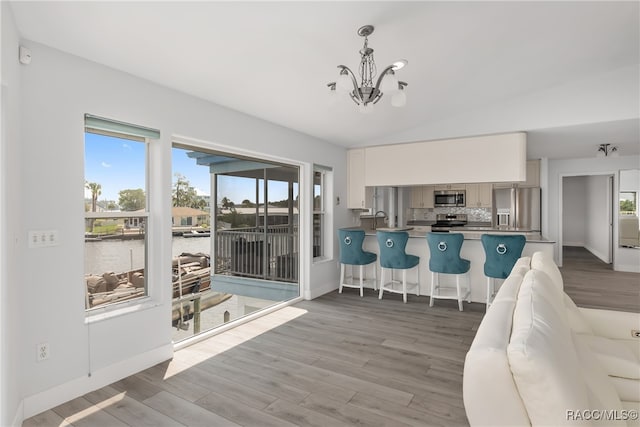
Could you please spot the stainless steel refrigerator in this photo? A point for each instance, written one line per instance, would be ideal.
(517, 208)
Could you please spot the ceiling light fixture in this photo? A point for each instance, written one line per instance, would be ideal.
(366, 94)
(605, 149)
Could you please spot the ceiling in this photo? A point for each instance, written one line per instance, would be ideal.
(273, 60)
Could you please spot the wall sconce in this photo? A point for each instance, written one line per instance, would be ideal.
(605, 149)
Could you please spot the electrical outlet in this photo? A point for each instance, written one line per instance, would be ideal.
(42, 351)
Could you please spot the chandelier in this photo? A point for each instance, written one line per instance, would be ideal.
(366, 93)
(604, 150)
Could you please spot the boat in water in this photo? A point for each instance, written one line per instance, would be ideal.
(191, 279)
(197, 233)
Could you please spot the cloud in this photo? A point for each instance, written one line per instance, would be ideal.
(200, 192)
(126, 146)
(105, 165)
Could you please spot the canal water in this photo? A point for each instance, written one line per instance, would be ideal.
(123, 255)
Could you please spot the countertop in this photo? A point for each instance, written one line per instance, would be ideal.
(469, 233)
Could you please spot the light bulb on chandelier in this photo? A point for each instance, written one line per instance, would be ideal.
(366, 94)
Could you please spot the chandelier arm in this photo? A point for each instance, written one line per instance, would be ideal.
(384, 73)
(356, 89)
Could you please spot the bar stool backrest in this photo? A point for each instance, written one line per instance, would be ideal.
(444, 251)
(501, 253)
(392, 249)
(351, 247)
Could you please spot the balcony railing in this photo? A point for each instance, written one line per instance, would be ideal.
(270, 254)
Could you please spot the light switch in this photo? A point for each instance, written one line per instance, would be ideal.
(43, 238)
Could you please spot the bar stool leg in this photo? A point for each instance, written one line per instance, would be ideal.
(433, 288)
(489, 292)
(418, 280)
(458, 291)
(404, 286)
(375, 277)
(341, 277)
(381, 282)
(361, 280)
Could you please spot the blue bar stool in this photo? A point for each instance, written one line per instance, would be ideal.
(393, 257)
(351, 253)
(445, 259)
(501, 253)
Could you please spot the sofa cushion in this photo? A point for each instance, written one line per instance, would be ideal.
(490, 394)
(547, 290)
(602, 393)
(632, 345)
(543, 360)
(545, 263)
(523, 262)
(577, 321)
(628, 390)
(632, 408)
(616, 358)
(510, 287)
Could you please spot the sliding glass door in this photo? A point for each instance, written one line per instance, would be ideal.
(235, 237)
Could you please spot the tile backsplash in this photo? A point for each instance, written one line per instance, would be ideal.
(473, 214)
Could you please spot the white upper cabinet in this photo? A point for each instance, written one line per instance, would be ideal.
(533, 177)
(448, 187)
(479, 195)
(422, 196)
(490, 158)
(356, 190)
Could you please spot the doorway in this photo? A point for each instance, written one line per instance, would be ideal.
(236, 239)
(587, 217)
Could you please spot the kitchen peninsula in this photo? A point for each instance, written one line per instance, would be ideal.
(471, 249)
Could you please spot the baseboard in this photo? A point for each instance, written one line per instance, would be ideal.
(18, 418)
(601, 256)
(578, 244)
(631, 268)
(40, 402)
(321, 289)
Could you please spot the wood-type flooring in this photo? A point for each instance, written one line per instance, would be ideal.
(339, 360)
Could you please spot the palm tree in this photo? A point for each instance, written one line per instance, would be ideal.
(96, 190)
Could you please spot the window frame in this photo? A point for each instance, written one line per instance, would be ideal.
(101, 126)
(326, 235)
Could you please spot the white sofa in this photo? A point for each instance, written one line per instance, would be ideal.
(537, 359)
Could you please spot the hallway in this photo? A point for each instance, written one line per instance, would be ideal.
(593, 283)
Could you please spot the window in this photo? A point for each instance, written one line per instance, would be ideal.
(116, 211)
(321, 229)
(628, 203)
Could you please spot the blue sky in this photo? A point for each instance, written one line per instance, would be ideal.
(118, 164)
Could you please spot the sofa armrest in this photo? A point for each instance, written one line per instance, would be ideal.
(618, 325)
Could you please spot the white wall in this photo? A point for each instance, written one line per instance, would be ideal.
(574, 211)
(630, 180)
(11, 283)
(56, 90)
(557, 169)
(598, 205)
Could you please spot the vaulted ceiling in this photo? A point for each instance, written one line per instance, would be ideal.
(562, 71)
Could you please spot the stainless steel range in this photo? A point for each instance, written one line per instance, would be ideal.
(449, 222)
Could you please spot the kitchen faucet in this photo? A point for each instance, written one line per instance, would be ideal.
(375, 218)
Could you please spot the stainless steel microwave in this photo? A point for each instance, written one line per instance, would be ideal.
(449, 198)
